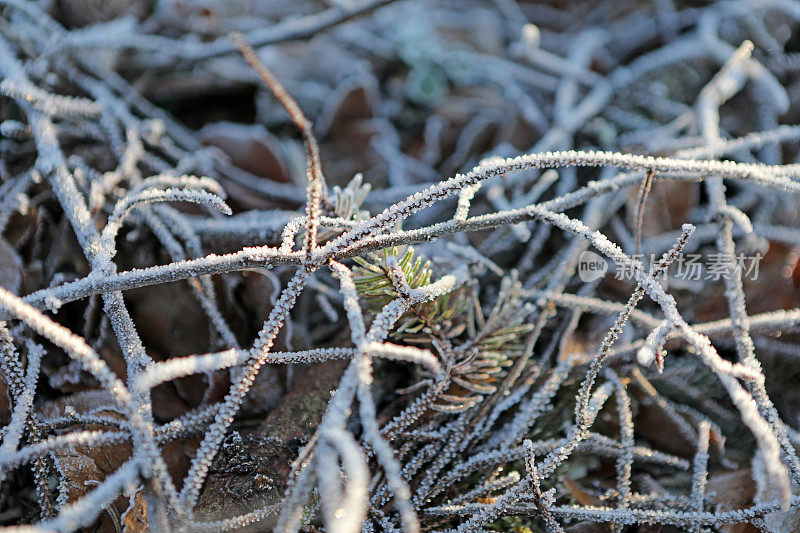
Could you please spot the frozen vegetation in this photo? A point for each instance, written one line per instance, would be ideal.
(376, 265)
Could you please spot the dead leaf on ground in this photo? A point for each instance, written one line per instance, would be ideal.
(10, 268)
(266, 457)
(767, 283)
(581, 496)
(667, 207)
(134, 519)
(178, 455)
(587, 527)
(249, 147)
(83, 468)
(353, 100)
(5, 401)
(771, 287)
(655, 426)
(733, 490)
(170, 319)
(768, 490)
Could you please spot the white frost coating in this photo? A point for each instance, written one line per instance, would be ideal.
(437, 457)
(654, 343)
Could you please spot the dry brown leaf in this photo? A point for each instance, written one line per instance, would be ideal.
(178, 455)
(134, 520)
(82, 468)
(79, 13)
(581, 496)
(650, 528)
(82, 402)
(733, 490)
(667, 207)
(353, 100)
(5, 401)
(251, 472)
(10, 267)
(656, 427)
(169, 318)
(172, 323)
(768, 289)
(772, 288)
(768, 490)
(587, 527)
(249, 147)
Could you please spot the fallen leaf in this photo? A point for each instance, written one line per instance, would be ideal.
(80, 13)
(134, 519)
(170, 319)
(587, 527)
(655, 426)
(581, 496)
(266, 457)
(178, 455)
(353, 100)
(768, 489)
(666, 208)
(5, 402)
(83, 468)
(650, 528)
(771, 287)
(733, 490)
(10, 268)
(249, 147)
